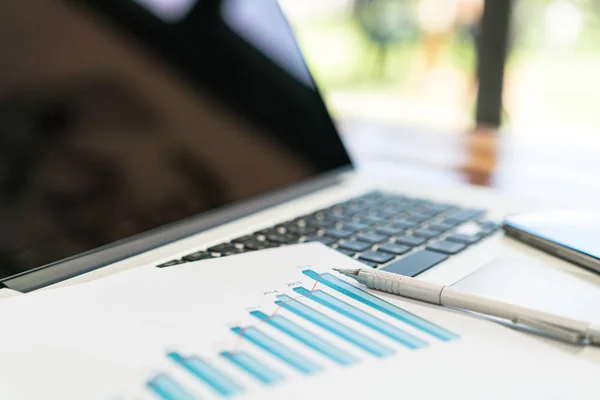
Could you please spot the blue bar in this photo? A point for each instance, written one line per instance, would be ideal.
(253, 367)
(214, 378)
(358, 339)
(277, 349)
(373, 301)
(308, 338)
(364, 318)
(167, 389)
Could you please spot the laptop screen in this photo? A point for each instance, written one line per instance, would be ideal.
(121, 116)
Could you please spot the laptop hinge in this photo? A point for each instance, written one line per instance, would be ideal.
(65, 269)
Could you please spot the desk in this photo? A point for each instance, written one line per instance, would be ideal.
(562, 168)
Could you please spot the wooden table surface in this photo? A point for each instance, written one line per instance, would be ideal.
(566, 168)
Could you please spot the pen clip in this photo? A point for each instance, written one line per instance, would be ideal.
(558, 332)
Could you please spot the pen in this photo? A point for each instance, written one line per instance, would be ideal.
(563, 328)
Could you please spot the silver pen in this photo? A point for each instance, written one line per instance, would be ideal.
(563, 328)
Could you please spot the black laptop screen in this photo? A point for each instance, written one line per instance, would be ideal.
(121, 116)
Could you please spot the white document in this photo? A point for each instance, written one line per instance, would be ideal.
(275, 324)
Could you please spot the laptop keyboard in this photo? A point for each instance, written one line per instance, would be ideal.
(389, 231)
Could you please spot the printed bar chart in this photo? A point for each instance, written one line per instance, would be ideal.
(214, 378)
(362, 317)
(305, 341)
(278, 350)
(342, 331)
(307, 338)
(253, 367)
(167, 389)
(375, 302)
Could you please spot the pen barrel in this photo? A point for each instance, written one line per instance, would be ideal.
(511, 312)
(402, 286)
(571, 330)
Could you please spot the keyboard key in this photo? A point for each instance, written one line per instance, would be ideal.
(294, 222)
(353, 245)
(403, 223)
(170, 263)
(429, 212)
(221, 247)
(279, 229)
(372, 237)
(352, 209)
(394, 248)
(259, 245)
(464, 215)
(336, 207)
(348, 220)
(376, 257)
(370, 219)
(199, 255)
(369, 264)
(395, 206)
(441, 227)
(366, 197)
(346, 252)
(411, 240)
(354, 226)
(390, 230)
(383, 213)
(234, 251)
(338, 233)
(243, 239)
(448, 221)
(445, 207)
(488, 227)
(321, 239)
(301, 220)
(374, 195)
(393, 210)
(321, 223)
(437, 209)
(415, 263)
(463, 238)
(417, 218)
(317, 215)
(334, 216)
(426, 233)
(425, 203)
(413, 203)
(302, 230)
(281, 238)
(263, 232)
(447, 247)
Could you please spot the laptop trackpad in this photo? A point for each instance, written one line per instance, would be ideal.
(536, 286)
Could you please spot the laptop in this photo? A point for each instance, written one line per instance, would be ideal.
(140, 132)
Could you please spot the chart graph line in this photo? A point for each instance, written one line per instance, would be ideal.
(240, 336)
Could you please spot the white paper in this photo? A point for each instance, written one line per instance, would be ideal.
(106, 339)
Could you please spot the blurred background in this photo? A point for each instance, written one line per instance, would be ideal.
(415, 62)
(501, 93)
